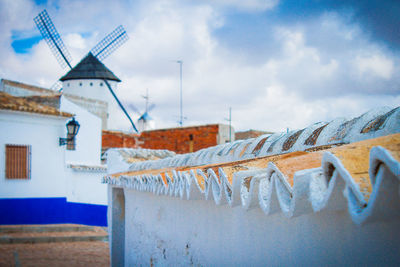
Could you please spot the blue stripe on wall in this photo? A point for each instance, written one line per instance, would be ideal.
(50, 210)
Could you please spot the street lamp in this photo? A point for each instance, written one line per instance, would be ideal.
(72, 131)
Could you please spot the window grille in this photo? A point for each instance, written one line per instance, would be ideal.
(18, 161)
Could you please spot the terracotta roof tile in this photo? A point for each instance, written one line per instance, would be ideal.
(8, 102)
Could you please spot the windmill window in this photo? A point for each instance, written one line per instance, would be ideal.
(68, 84)
(80, 84)
(101, 84)
(18, 161)
(91, 84)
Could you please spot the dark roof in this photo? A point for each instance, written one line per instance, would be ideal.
(90, 68)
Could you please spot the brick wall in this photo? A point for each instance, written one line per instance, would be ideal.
(181, 140)
(118, 139)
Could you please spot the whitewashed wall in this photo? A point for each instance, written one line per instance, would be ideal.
(155, 230)
(48, 158)
(85, 187)
(88, 140)
(89, 88)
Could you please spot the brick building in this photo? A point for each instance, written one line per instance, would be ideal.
(180, 140)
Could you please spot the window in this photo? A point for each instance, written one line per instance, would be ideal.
(80, 84)
(101, 84)
(91, 84)
(18, 161)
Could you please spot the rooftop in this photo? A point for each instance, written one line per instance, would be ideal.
(301, 173)
(35, 89)
(90, 68)
(9, 102)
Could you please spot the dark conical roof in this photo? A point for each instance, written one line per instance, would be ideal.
(90, 68)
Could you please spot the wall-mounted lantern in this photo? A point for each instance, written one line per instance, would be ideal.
(72, 131)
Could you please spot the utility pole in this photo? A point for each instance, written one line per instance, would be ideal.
(146, 97)
(230, 124)
(180, 62)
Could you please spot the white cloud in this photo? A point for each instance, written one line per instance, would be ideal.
(378, 65)
(248, 5)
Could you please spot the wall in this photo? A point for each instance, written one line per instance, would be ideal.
(179, 139)
(110, 139)
(86, 187)
(42, 133)
(168, 231)
(96, 107)
(21, 89)
(88, 140)
(90, 88)
(98, 98)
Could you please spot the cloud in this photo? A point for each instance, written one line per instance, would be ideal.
(378, 65)
(285, 74)
(248, 6)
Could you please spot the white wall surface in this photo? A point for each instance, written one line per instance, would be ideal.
(168, 231)
(48, 158)
(88, 140)
(86, 187)
(94, 91)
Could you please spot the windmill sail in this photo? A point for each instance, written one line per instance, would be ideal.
(120, 104)
(53, 39)
(103, 49)
(110, 43)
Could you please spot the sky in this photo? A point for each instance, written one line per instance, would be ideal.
(278, 64)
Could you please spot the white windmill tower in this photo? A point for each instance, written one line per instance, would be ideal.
(90, 78)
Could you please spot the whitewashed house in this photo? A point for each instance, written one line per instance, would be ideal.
(326, 195)
(58, 185)
(41, 181)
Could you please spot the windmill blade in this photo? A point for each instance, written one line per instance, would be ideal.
(110, 43)
(134, 108)
(57, 86)
(151, 107)
(53, 39)
(120, 105)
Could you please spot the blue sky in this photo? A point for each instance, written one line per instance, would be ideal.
(278, 64)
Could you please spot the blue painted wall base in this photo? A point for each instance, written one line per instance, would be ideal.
(50, 211)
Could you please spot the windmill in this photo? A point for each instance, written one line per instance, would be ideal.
(145, 122)
(90, 67)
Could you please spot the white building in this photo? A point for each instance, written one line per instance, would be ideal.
(61, 186)
(41, 181)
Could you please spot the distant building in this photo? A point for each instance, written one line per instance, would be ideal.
(180, 140)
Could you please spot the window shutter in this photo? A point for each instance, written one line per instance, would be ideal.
(18, 161)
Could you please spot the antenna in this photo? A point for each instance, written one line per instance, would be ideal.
(146, 97)
(180, 62)
(110, 43)
(230, 124)
(53, 39)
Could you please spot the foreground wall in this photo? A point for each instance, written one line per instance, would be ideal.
(165, 231)
(262, 216)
